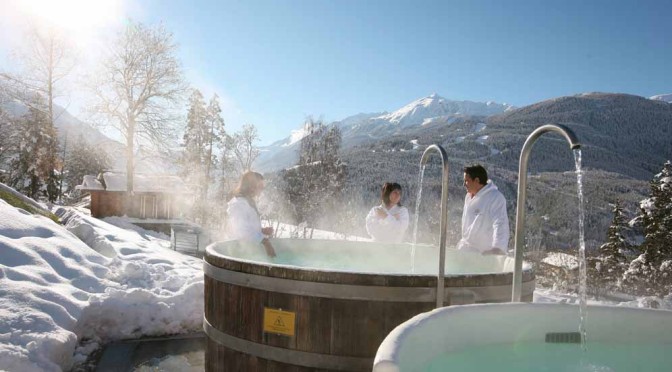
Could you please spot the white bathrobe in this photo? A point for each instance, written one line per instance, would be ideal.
(388, 229)
(244, 223)
(485, 224)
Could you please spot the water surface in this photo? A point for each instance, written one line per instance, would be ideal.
(550, 357)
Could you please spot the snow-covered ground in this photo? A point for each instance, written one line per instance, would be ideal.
(546, 295)
(65, 290)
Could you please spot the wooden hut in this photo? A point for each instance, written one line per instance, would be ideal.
(157, 201)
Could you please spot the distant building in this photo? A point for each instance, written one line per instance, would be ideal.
(157, 201)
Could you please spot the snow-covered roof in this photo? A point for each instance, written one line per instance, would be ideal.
(112, 181)
(90, 183)
(560, 259)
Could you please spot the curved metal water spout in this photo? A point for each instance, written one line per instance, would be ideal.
(440, 278)
(522, 188)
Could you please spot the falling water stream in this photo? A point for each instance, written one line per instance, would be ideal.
(582, 251)
(417, 214)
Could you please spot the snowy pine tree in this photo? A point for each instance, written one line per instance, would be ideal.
(194, 138)
(651, 272)
(83, 159)
(228, 175)
(205, 132)
(608, 267)
(33, 168)
(8, 128)
(216, 137)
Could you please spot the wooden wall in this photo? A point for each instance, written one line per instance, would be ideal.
(143, 205)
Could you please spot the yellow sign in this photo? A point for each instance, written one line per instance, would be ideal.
(278, 321)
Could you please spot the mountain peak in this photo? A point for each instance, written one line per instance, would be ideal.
(356, 129)
(662, 97)
(434, 106)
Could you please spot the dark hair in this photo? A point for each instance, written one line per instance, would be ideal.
(388, 187)
(247, 184)
(477, 171)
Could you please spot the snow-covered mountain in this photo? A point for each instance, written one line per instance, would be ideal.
(363, 127)
(284, 153)
(435, 106)
(662, 97)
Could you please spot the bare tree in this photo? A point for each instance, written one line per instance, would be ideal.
(47, 58)
(140, 86)
(242, 144)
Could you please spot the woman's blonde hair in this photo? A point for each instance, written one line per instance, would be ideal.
(248, 184)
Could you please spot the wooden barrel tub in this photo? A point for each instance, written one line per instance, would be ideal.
(326, 305)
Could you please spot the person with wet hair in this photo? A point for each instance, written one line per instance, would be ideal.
(485, 223)
(388, 221)
(244, 222)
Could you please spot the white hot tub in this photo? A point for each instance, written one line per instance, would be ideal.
(529, 337)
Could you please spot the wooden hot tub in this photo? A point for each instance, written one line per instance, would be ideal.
(327, 305)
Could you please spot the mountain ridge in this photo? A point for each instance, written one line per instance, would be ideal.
(368, 127)
(625, 140)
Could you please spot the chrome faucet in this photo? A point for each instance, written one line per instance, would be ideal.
(522, 188)
(440, 279)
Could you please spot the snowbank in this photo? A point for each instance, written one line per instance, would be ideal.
(58, 291)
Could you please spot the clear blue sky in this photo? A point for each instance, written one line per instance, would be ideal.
(275, 62)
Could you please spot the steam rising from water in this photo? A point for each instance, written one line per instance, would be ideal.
(364, 257)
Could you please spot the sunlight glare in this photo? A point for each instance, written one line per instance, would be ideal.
(80, 19)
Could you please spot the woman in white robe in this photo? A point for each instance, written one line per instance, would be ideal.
(244, 222)
(388, 221)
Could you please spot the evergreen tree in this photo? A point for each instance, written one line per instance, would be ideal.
(8, 140)
(608, 267)
(205, 131)
(651, 272)
(228, 174)
(194, 137)
(216, 137)
(33, 169)
(83, 159)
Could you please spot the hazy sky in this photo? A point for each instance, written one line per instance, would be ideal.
(275, 62)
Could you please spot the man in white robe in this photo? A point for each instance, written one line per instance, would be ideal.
(485, 223)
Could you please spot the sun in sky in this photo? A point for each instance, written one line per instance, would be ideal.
(80, 20)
